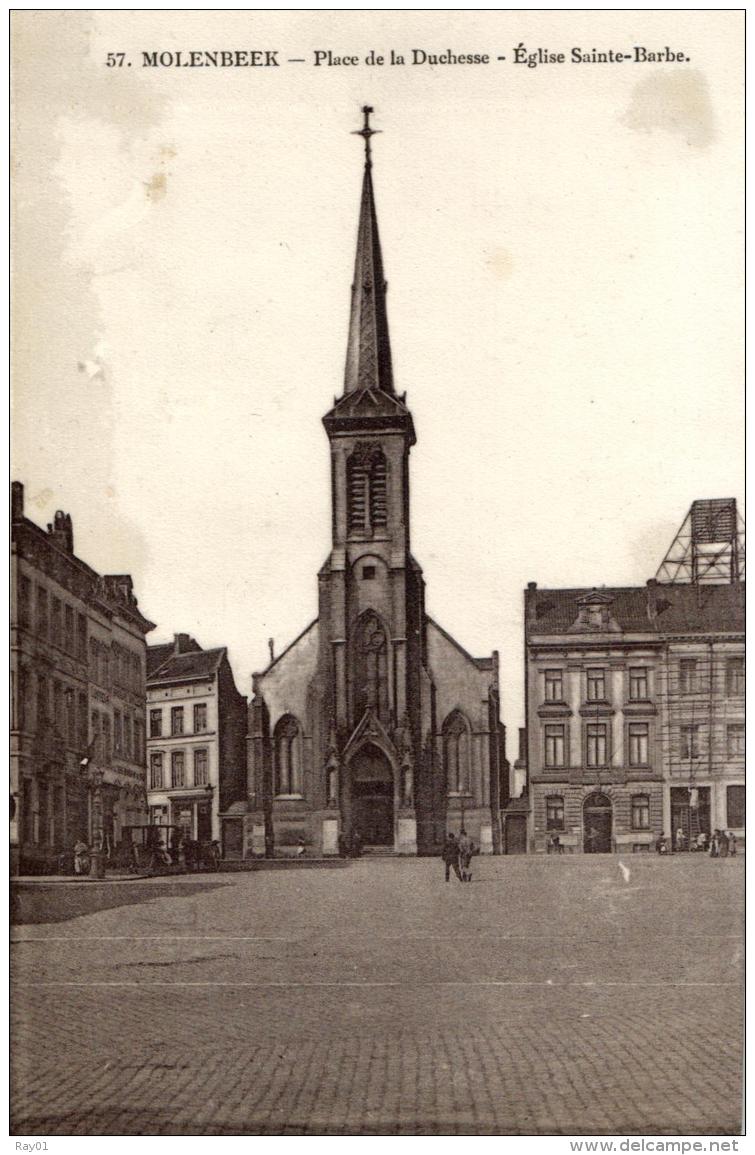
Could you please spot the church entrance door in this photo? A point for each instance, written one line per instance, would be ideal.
(372, 797)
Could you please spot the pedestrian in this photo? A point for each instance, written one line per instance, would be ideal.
(714, 844)
(80, 857)
(450, 856)
(732, 844)
(356, 844)
(301, 847)
(466, 850)
(723, 844)
(701, 841)
(680, 839)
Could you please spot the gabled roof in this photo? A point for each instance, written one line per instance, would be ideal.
(659, 609)
(180, 667)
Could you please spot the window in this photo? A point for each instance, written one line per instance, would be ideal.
(177, 773)
(555, 746)
(638, 743)
(200, 768)
(554, 812)
(56, 622)
(688, 676)
(735, 806)
(41, 612)
(81, 636)
(155, 723)
(456, 753)
(287, 756)
(367, 487)
(640, 812)
(371, 669)
(69, 643)
(688, 742)
(138, 740)
(57, 706)
(554, 686)
(177, 720)
(128, 736)
(735, 741)
(638, 684)
(82, 721)
(107, 748)
(24, 602)
(735, 677)
(117, 732)
(156, 770)
(200, 717)
(368, 573)
(596, 685)
(597, 744)
(43, 705)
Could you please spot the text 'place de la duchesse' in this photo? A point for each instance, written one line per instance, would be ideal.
(375, 731)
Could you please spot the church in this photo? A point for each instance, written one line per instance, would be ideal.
(374, 726)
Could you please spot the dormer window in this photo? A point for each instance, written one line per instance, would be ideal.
(594, 614)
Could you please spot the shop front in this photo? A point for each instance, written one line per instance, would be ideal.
(193, 814)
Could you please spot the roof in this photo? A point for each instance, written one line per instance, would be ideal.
(680, 609)
(181, 667)
(368, 356)
(156, 655)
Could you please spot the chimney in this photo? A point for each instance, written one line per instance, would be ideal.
(271, 647)
(522, 759)
(529, 601)
(17, 501)
(182, 644)
(652, 593)
(62, 531)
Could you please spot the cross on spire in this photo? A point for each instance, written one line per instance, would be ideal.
(366, 132)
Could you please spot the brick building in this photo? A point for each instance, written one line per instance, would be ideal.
(374, 721)
(635, 713)
(78, 686)
(197, 737)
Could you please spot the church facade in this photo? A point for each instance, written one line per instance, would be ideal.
(374, 724)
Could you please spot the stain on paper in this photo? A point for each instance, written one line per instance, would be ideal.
(675, 102)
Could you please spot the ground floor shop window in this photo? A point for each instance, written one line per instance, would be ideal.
(735, 806)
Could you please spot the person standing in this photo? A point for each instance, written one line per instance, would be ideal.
(450, 856)
(466, 850)
(732, 844)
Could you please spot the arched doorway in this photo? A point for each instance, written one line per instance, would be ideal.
(597, 824)
(372, 797)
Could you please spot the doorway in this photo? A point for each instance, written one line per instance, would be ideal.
(372, 797)
(516, 834)
(597, 824)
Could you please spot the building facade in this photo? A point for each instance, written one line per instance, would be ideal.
(196, 738)
(374, 723)
(635, 714)
(78, 669)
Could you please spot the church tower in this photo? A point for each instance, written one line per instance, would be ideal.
(374, 727)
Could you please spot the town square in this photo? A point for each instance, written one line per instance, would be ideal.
(581, 994)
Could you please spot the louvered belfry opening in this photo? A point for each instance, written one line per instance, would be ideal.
(367, 477)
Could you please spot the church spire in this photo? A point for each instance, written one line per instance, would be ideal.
(368, 355)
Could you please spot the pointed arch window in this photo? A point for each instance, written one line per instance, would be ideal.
(367, 486)
(456, 753)
(287, 756)
(371, 669)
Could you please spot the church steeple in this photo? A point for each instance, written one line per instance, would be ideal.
(368, 354)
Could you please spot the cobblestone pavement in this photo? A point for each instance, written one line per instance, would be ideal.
(552, 995)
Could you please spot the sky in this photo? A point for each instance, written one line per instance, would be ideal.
(563, 248)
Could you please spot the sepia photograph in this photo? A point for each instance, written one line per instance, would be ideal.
(377, 582)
